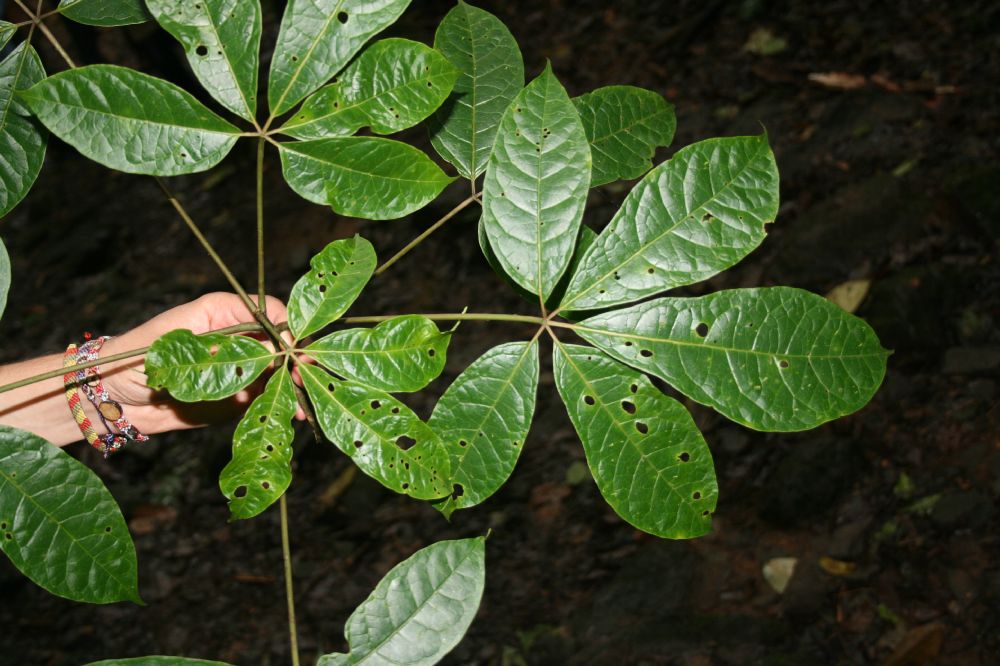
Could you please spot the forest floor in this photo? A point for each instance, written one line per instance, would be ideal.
(890, 165)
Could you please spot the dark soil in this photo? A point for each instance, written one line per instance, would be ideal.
(891, 513)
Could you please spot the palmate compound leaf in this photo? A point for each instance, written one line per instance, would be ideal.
(625, 126)
(211, 366)
(647, 455)
(131, 121)
(420, 610)
(536, 185)
(105, 13)
(335, 278)
(317, 39)
(690, 218)
(775, 359)
(222, 41)
(401, 355)
(392, 85)
(483, 419)
(362, 176)
(22, 140)
(60, 526)
(157, 661)
(261, 468)
(491, 74)
(386, 440)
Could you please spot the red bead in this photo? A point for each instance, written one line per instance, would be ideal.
(87, 335)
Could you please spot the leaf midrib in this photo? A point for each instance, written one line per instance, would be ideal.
(302, 61)
(288, 146)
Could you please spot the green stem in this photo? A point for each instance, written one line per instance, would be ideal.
(230, 330)
(261, 288)
(286, 555)
(430, 230)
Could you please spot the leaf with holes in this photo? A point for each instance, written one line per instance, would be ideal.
(420, 610)
(625, 126)
(382, 435)
(483, 419)
(775, 359)
(261, 469)
(4, 277)
(222, 41)
(157, 661)
(491, 74)
(337, 275)
(60, 526)
(7, 31)
(22, 140)
(536, 185)
(362, 176)
(402, 354)
(130, 121)
(392, 85)
(317, 38)
(687, 220)
(647, 455)
(205, 367)
(104, 13)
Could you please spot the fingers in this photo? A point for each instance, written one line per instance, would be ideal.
(223, 309)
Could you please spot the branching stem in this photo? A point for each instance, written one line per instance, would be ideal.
(430, 230)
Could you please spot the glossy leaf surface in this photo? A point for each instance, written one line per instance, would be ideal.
(392, 85)
(222, 41)
(157, 661)
(647, 455)
(399, 355)
(536, 185)
(625, 125)
(317, 39)
(204, 367)
(491, 74)
(386, 440)
(22, 140)
(131, 121)
(483, 419)
(687, 220)
(776, 359)
(337, 275)
(360, 176)
(261, 468)
(7, 31)
(60, 526)
(105, 13)
(4, 277)
(420, 610)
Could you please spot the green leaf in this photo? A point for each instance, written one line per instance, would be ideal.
(60, 526)
(130, 121)
(382, 435)
(361, 176)
(211, 366)
(157, 661)
(399, 355)
(420, 610)
(337, 275)
(317, 38)
(4, 277)
(776, 359)
(647, 455)
(105, 13)
(491, 74)
(261, 469)
(22, 140)
(690, 218)
(7, 31)
(392, 85)
(222, 41)
(536, 185)
(483, 419)
(625, 126)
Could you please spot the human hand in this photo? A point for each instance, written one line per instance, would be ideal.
(155, 411)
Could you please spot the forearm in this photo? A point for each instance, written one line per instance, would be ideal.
(39, 408)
